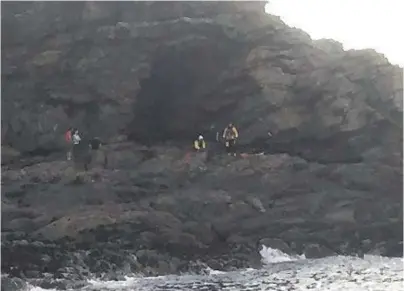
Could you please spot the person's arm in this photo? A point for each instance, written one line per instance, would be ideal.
(196, 145)
(224, 132)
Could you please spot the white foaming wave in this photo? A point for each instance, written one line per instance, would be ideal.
(36, 288)
(140, 281)
(113, 285)
(211, 271)
(331, 273)
(373, 273)
(271, 256)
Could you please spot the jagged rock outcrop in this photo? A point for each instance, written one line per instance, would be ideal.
(158, 73)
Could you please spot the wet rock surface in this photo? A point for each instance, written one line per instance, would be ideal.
(147, 78)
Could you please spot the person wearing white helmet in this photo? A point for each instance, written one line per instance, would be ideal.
(199, 143)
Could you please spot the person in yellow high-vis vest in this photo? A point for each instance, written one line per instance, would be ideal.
(199, 144)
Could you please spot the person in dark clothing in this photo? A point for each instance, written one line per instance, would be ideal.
(98, 155)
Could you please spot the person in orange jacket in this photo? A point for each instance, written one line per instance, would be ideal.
(230, 135)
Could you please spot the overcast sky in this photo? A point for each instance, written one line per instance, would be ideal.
(357, 24)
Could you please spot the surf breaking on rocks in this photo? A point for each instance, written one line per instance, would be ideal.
(281, 272)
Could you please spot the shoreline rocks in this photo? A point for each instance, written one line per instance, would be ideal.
(145, 221)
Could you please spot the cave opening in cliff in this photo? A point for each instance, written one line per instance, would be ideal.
(169, 105)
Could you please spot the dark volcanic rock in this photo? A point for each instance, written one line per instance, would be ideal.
(317, 251)
(147, 78)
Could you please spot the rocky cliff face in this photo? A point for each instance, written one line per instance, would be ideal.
(156, 73)
(165, 71)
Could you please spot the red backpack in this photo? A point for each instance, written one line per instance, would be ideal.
(68, 136)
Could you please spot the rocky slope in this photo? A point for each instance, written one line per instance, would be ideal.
(147, 77)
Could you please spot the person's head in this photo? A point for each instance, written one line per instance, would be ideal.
(230, 125)
(75, 131)
(200, 137)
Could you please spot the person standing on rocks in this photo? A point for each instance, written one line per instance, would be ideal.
(81, 151)
(97, 155)
(68, 139)
(230, 134)
(75, 141)
(200, 143)
(76, 137)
